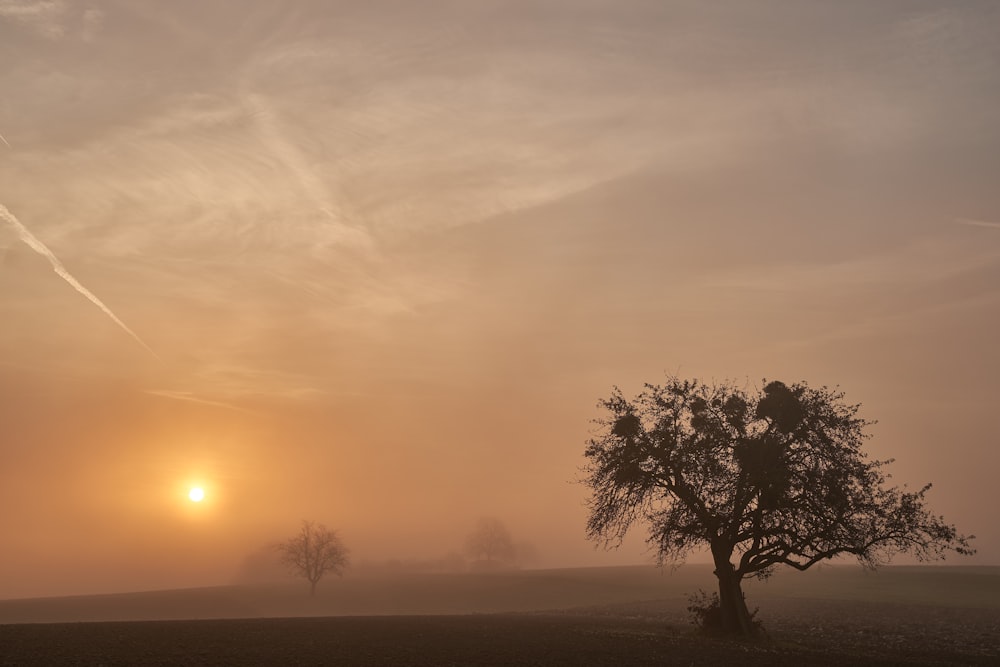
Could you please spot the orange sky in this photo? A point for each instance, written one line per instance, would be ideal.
(373, 264)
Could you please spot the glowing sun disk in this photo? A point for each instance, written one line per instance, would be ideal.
(196, 494)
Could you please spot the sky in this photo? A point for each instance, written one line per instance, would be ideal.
(373, 264)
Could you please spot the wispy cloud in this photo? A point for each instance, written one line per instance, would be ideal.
(32, 242)
(44, 16)
(977, 223)
(291, 157)
(53, 19)
(919, 261)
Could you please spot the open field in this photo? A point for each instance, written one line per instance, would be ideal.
(838, 615)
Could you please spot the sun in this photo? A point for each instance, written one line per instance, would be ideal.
(196, 494)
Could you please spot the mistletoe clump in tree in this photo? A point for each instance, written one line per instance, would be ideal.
(763, 479)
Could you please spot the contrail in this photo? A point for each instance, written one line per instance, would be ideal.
(977, 223)
(57, 266)
(5, 141)
(188, 396)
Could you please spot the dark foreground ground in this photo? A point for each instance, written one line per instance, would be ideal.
(604, 616)
(570, 638)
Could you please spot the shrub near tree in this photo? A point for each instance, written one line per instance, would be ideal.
(763, 479)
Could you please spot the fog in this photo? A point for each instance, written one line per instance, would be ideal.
(374, 264)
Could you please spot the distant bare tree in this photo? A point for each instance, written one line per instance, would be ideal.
(312, 553)
(490, 542)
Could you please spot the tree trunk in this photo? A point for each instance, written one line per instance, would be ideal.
(312, 589)
(735, 617)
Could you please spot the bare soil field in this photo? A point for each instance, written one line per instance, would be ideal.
(601, 616)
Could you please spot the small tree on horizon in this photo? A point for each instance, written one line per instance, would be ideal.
(776, 477)
(490, 542)
(312, 553)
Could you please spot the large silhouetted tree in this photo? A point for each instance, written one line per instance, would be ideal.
(312, 553)
(762, 478)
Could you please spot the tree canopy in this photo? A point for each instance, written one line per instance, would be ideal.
(763, 478)
(313, 552)
(490, 542)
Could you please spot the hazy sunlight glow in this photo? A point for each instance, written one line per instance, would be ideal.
(196, 494)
